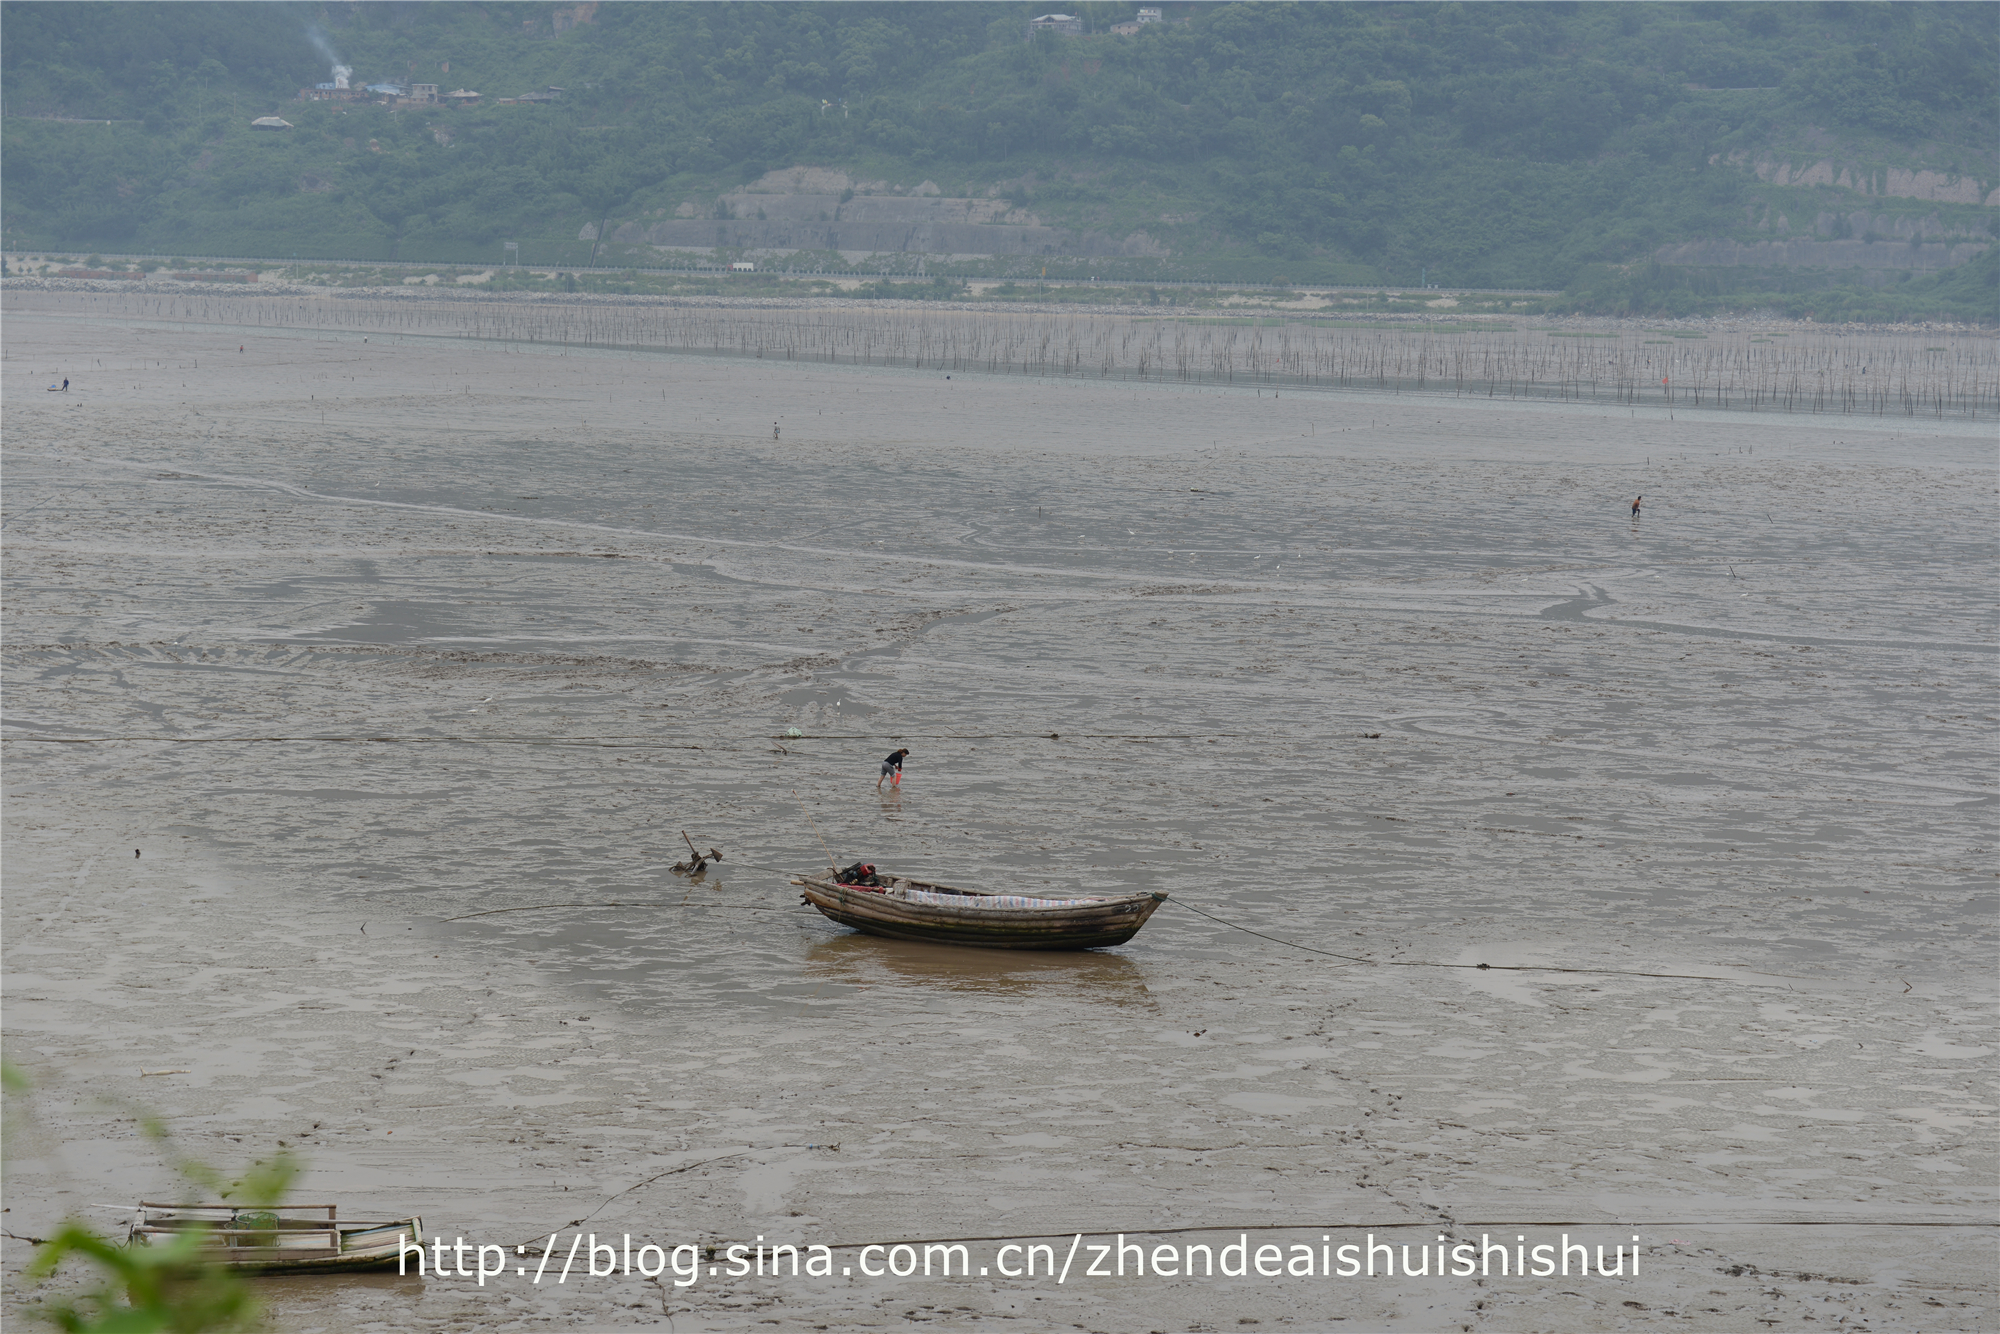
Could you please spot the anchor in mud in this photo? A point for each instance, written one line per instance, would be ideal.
(697, 863)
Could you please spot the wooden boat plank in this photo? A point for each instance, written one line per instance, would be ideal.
(1080, 902)
(377, 1235)
(1095, 905)
(226, 1237)
(283, 1225)
(308, 1245)
(989, 919)
(234, 1210)
(1107, 921)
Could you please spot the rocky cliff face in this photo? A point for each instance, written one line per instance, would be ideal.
(1850, 254)
(816, 208)
(959, 240)
(1894, 182)
(1877, 225)
(1893, 234)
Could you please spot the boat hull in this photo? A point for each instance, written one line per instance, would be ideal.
(1096, 925)
(288, 1245)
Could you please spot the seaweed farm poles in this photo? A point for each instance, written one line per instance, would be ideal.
(1875, 372)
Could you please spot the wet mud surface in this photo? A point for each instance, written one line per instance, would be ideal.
(344, 634)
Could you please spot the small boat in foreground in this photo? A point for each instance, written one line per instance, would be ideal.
(906, 909)
(278, 1241)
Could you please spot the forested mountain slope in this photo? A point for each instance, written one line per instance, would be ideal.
(1497, 144)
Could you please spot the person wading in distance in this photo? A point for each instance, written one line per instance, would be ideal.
(892, 769)
(1635, 505)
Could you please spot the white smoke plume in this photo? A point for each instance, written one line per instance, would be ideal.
(318, 38)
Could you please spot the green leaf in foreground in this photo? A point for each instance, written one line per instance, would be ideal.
(143, 1289)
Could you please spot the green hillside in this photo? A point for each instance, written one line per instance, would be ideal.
(1491, 145)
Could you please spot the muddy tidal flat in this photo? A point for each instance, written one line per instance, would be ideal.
(1540, 875)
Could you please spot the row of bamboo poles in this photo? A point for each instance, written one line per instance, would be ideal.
(1879, 373)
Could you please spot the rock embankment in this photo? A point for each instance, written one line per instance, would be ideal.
(1859, 253)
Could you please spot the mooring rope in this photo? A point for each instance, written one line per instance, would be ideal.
(1476, 967)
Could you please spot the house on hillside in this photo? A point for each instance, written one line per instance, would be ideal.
(423, 92)
(1148, 14)
(1063, 25)
(270, 123)
(460, 97)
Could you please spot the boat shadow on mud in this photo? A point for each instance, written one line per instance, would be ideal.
(863, 961)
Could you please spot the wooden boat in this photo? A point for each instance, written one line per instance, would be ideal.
(907, 909)
(278, 1241)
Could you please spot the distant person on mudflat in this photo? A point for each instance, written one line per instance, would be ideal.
(1635, 505)
(65, 384)
(892, 769)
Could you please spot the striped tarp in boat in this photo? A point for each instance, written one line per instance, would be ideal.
(992, 900)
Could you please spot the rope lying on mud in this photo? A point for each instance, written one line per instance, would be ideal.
(718, 1244)
(1410, 1222)
(620, 903)
(1221, 921)
(1475, 967)
(521, 1247)
(544, 907)
(586, 742)
(606, 742)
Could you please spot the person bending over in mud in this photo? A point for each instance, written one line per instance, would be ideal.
(892, 769)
